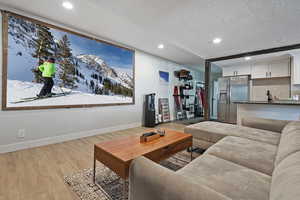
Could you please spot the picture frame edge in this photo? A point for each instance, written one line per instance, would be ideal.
(4, 58)
(5, 15)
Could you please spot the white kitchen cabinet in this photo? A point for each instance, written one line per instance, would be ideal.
(273, 69)
(228, 71)
(237, 70)
(259, 70)
(279, 68)
(267, 69)
(243, 70)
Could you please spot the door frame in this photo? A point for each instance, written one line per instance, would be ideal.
(214, 98)
(241, 55)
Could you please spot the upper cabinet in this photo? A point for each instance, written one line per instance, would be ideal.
(237, 70)
(259, 70)
(244, 70)
(272, 69)
(281, 68)
(263, 69)
(228, 71)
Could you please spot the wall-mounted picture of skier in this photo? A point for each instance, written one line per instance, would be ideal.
(51, 67)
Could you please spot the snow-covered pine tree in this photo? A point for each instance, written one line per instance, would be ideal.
(67, 73)
(43, 48)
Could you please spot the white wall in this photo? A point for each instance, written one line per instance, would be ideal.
(147, 69)
(56, 125)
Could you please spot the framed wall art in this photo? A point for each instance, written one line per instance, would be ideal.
(163, 77)
(45, 66)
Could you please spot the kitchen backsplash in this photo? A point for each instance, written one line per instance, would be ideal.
(279, 87)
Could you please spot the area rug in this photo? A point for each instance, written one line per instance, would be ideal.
(108, 185)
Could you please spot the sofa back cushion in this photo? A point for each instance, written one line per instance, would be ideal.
(265, 124)
(292, 126)
(286, 179)
(289, 141)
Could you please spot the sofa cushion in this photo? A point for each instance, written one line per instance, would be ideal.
(286, 179)
(289, 143)
(249, 153)
(214, 131)
(151, 181)
(292, 126)
(265, 124)
(232, 180)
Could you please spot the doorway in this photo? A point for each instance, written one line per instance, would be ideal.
(215, 92)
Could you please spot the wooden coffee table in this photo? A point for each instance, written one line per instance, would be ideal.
(117, 154)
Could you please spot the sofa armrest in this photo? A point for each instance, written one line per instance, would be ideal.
(149, 181)
(265, 124)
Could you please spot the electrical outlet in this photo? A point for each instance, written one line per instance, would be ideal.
(21, 133)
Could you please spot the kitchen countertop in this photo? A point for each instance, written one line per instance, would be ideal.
(276, 102)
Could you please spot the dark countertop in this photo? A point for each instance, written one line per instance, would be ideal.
(277, 102)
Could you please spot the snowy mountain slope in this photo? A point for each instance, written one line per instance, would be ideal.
(20, 60)
(124, 77)
(99, 66)
(19, 89)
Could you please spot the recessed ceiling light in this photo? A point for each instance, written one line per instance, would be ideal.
(160, 46)
(67, 5)
(247, 58)
(217, 40)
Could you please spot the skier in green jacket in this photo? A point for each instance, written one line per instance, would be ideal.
(48, 71)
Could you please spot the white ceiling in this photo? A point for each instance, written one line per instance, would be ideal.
(186, 27)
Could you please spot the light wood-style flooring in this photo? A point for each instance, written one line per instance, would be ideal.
(37, 173)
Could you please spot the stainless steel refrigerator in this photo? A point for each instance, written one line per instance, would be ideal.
(231, 89)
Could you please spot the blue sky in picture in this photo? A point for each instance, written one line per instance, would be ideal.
(164, 76)
(112, 55)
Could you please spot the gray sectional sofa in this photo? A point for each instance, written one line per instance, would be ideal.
(257, 162)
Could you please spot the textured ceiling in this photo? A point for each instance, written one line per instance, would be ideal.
(186, 27)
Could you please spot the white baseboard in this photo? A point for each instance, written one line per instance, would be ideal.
(62, 138)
